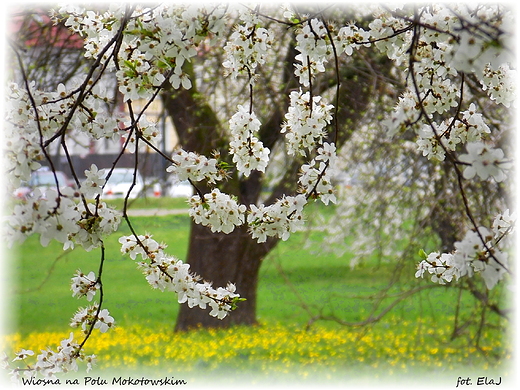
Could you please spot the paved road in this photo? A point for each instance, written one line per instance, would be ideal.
(155, 212)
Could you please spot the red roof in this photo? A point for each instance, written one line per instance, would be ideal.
(39, 30)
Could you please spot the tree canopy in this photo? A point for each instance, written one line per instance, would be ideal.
(271, 105)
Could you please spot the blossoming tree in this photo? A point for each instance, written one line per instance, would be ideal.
(256, 93)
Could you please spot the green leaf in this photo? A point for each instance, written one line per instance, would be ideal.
(129, 64)
(235, 301)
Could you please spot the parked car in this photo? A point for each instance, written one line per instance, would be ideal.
(175, 188)
(43, 179)
(120, 182)
(181, 189)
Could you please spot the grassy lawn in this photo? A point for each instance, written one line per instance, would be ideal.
(295, 286)
(150, 203)
(45, 301)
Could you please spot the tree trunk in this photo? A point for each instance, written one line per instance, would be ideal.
(218, 257)
(223, 258)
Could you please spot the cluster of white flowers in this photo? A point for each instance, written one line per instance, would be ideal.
(48, 363)
(90, 316)
(84, 285)
(428, 141)
(144, 246)
(316, 177)
(487, 32)
(23, 147)
(315, 46)
(217, 210)
(96, 28)
(166, 273)
(96, 223)
(500, 84)
(352, 37)
(247, 47)
(195, 167)
(305, 122)
(469, 127)
(437, 95)
(248, 151)
(504, 224)
(63, 218)
(383, 31)
(404, 114)
(277, 220)
(138, 77)
(152, 56)
(94, 181)
(314, 49)
(447, 46)
(478, 252)
(34, 117)
(92, 116)
(484, 162)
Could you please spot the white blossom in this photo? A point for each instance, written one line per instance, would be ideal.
(484, 162)
(89, 316)
(305, 122)
(434, 139)
(352, 37)
(499, 84)
(316, 177)
(21, 148)
(382, 31)
(84, 285)
(404, 114)
(277, 220)
(194, 167)
(247, 47)
(23, 354)
(477, 253)
(50, 215)
(248, 151)
(94, 223)
(504, 224)
(145, 130)
(217, 210)
(314, 50)
(429, 144)
(93, 184)
(144, 246)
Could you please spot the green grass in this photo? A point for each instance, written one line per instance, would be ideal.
(150, 202)
(293, 282)
(42, 291)
(296, 288)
